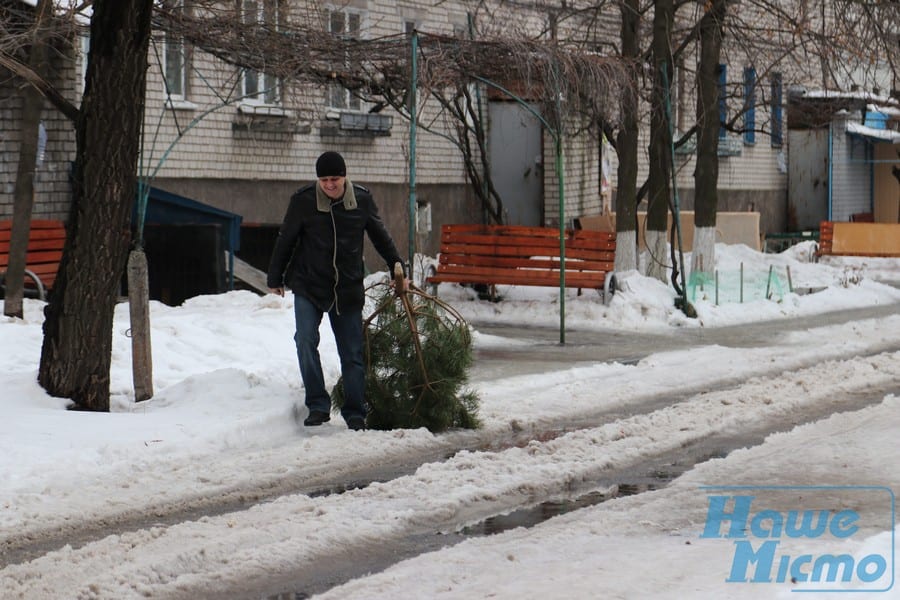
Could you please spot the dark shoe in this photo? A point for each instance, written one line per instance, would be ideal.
(316, 417)
(356, 423)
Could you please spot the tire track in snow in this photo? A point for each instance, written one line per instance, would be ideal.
(169, 493)
(246, 550)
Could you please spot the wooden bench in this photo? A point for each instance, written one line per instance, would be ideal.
(45, 247)
(517, 255)
(859, 239)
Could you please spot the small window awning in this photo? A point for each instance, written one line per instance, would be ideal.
(872, 134)
(166, 208)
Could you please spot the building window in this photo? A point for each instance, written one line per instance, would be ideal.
(749, 105)
(175, 69)
(175, 65)
(723, 106)
(82, 65)
(260, 87)
(347, 24)
(775, 109)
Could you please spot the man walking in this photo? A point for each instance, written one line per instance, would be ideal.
(319, 256)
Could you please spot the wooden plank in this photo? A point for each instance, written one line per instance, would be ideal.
(36, 224)
(547, 237)
(533, 233)
(523, 248)
(44, 269)
(527, 263)
(34, 246)
(249, 274)
(573, 259)
(506, 278)
(35, 258)
(866, 239)
(506, 229)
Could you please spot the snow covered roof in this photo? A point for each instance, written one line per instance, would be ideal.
(63, 6)
(857, 95)
(884, 135)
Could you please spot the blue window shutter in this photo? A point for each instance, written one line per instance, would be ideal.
(723, 109)
(777, 122)
(749, 105)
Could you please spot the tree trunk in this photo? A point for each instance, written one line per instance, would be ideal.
(706, 172)
(627, 145)
(76, 354)
(23, 196)
(660, 149)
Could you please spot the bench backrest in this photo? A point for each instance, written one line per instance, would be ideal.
(45, 246)
(531, 253)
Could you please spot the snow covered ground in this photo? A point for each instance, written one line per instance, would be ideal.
(220, 429)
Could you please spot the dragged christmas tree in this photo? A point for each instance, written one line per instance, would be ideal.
(418, 351)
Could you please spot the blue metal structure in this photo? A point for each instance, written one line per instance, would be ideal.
(166, 208)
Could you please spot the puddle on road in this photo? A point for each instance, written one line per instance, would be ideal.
(524, 517)
(649, 476)
(534, 515)
(652, 474)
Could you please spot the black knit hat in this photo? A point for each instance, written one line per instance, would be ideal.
(331, 164)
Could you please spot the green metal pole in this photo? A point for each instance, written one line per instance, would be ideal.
(562, 241)
(560, 178)
(414, 77)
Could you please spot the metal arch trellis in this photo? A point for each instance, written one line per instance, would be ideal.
(555, 132)
(587, 82)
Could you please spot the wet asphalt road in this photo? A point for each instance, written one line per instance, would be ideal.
(544, 353)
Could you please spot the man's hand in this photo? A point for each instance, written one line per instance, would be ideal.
(399, 283)
(278, 290)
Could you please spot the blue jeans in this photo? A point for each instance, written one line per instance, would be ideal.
(348, 334)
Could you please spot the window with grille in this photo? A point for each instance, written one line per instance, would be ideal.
(258, 86)
(348, 24)
(723, 103)
(775, 110)
(749, 105)
(175, 63)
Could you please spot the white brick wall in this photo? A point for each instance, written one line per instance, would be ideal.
(212, 150)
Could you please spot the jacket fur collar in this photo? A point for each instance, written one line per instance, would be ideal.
(323, 202)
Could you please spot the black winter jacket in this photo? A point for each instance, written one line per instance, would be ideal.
(319, 250)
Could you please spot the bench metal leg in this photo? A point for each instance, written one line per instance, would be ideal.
(41, 290)
(609, 287)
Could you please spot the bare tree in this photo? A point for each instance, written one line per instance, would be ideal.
(660, 150)
(627, 142)
(76, 353)
(377, 71)
(23, 195)
(77, 348)
(706, 171)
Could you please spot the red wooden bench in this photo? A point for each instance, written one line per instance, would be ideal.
(45, 247)
(517, 255)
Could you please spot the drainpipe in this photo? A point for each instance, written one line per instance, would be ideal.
(870, 151)
(830, 167)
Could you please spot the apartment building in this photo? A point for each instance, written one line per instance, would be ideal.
(242, 141)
